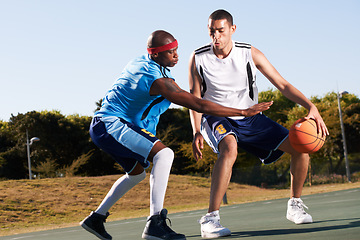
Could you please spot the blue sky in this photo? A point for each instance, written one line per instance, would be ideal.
(64, 54)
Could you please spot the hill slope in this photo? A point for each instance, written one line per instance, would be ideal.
(32, 205)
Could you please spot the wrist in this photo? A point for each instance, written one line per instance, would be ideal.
(196, 133)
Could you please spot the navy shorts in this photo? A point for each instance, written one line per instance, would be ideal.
(126, 143)
(258, 134)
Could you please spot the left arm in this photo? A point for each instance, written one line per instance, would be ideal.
(288, 90)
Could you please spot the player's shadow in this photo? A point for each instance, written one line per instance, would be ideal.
(354, 223)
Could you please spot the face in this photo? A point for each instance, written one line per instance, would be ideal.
(220, 32)
(167, 58)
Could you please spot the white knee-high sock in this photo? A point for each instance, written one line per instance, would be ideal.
(159, 177)
(119, 188)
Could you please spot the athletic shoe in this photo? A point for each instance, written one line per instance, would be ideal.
(211, 227)
(157, 229)
(94, 223)
(296, 212)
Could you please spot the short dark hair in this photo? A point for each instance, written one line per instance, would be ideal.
(222, 14)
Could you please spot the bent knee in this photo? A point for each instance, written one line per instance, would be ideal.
(136, 178)
(228, 147)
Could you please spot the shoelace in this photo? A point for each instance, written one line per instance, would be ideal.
(300, 204)
(169, 221)
(216, 222)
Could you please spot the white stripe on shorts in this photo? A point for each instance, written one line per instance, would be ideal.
(209, 137)
(127, 136)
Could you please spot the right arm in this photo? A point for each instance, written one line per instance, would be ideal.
(195, 117)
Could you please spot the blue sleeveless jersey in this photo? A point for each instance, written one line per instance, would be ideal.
(129, 97)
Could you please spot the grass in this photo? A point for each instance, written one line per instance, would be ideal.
(34, 205)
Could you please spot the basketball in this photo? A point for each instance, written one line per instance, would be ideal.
(304, 137)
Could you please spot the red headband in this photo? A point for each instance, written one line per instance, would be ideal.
(163, 48)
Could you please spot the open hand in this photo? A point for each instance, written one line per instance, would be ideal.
(257, 108)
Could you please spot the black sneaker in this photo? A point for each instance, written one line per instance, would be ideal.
(157, 229)
(94, 223)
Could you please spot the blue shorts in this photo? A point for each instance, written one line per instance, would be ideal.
(126, 143)
(258, 135)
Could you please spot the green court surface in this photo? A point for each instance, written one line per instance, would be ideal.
(336, 216)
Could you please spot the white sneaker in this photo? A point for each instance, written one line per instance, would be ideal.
(211, 227)
(296, 212)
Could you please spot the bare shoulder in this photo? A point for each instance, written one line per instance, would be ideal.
(192, 60)
(257, 55)
(255, 52)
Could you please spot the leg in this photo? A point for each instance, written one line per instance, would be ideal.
(298, 168)
(222, 171)
(210, 223)
(156, 226)
(120, 187)
(162, 158)
(94, 223)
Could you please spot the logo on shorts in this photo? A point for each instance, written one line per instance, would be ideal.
(148, 133)
(220, 129)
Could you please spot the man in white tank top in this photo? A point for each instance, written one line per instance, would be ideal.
(224, 72)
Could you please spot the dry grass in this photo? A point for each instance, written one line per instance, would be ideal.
(61, 202)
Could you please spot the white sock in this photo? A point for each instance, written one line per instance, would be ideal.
(159, 177)
(119, 188)
(213, 213)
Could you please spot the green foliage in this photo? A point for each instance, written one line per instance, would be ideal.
(63, 139)
(278, 111)
(65, 147)
(46, 169)
(75, 166)
(204, 165)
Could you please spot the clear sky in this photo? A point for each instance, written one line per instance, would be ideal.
(65, 54)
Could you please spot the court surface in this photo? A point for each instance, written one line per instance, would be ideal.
(336, 216)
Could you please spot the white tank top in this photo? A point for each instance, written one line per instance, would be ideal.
(231, 81)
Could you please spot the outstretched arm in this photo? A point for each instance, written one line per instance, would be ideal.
(172, 92)
(289, 91)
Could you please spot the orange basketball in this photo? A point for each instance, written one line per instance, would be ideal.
(303, 136)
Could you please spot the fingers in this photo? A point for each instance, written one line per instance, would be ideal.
(197, 153)
(325, 131)
(197, 145)
(320, 124)
(263, 106)
(257, 108)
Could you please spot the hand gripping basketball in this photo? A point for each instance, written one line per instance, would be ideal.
(304, 136)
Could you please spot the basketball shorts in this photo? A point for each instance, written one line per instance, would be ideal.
(258, 135)
(126, 143)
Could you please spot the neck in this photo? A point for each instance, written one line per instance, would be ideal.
(224, 52)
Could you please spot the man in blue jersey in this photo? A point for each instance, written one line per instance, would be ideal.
(224, 72)
(125, 127)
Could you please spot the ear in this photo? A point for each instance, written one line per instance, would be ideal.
(233, 29)
(154, 55)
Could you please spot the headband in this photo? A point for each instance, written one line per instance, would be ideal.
(163, 48)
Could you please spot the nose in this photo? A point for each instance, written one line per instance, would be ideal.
(176, 55)
(216, 35)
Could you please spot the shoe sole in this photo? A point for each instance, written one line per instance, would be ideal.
(304, 222)
(214, 235)
(149, 237)
(90, 230)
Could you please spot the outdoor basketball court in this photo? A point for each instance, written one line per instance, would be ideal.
(336, 216)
